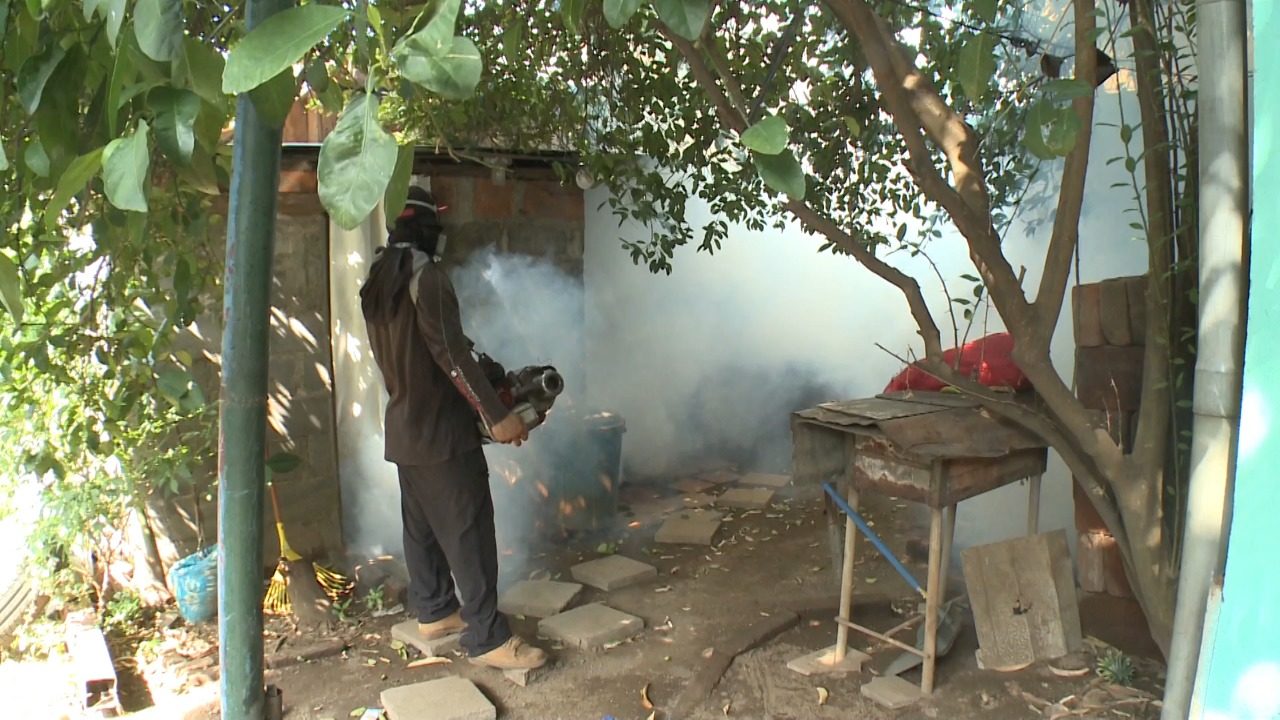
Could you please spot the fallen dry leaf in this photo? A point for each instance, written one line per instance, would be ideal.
(823, 695)
(644, 698)
(708, 652)
(428, 661)
(726, 707)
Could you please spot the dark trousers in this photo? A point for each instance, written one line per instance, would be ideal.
(449, 535)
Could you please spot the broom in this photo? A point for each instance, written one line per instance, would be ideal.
(332, 583)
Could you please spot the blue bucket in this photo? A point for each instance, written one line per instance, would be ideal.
(194, 580)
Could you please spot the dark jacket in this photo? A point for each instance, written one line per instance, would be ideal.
(436, 387)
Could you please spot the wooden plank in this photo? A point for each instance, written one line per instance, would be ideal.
(1022, 592)
(1114, 309)
(1087, 315)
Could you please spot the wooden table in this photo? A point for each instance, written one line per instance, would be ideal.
(935, 449)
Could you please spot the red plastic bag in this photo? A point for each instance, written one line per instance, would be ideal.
(988, 360)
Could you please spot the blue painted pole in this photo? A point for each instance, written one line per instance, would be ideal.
(251, 221)
(874, 538)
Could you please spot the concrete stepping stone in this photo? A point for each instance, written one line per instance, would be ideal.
(448, 698)
(698, 500)
(756, 498)
(407, 633)
(822, 662)
(591, 626)
(766, 480)
(692, 485)
(613, 572)
(538, 598)
(692, 527)
(891, 692)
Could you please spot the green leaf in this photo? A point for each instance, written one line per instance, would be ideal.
(125, 163)
(175, 113)
(281, 463)
(1126, 133)
(4, 159)
(686, 18)
(36, 159)
(571, 11)
(10, 287)
(1050, 132)
(436, 37)
(977, 64)
(73, 180)
(453, 75)
(782, 173)
(356, 163)
(1062, 132)
(275, 45)
(204, 71)
(769, 136)
(173, 382)
(114, 11)
(1067, 89)
(158, 27)
(122, 73)
(274, 99)
(855, 127)
(618, 12)
(35, 74)
(984, 10)
(398, 188)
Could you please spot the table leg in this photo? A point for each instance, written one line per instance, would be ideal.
(948, 536)
(1033, 507)
(932, 600)
(846, 579)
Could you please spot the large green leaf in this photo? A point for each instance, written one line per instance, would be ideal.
(274, 98)
(175, 113)
(398, 188)
(618, 12)
(204, 71)
(436, 37)
(114, 10)
(356, 163)
(158, 26)
(985, 10)
(686, 18)
(977, 65)
(1067, 89)
(174, 382)
(34, 75)
(73, 180)
(571, 12)
(35, 158)
(782, 172)
(10, 287)
(1050, 131)
(276, 44)
(125, 164)
(453, 75)
(4, 159)
(769, 136)
(123, 73)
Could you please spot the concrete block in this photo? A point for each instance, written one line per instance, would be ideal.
(1114, 304)
(698, 500)
(448, 698)
(407, 633)
(692, 527)
(525, 676)
(891, 692)
(1086, 311)
(823, 662)
(591, 626)
(746, 498)
(538, 598)
(613, 572)
(766, 480)
(692, 485)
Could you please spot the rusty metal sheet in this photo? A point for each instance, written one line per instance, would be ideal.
(878, 409)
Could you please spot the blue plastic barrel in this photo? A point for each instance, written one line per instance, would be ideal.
(194, 580)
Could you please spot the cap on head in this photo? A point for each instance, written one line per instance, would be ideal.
(421, 204)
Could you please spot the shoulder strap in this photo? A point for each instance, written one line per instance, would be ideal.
(420, 262)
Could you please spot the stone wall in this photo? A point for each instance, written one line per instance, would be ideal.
(300, 405)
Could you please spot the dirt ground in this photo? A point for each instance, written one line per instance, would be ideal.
(764, 563)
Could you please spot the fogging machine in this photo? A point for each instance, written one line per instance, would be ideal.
(528, 392)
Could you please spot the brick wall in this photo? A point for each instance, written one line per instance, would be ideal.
(1110, 322)
(529, 212)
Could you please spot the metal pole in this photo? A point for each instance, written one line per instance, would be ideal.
(255, 178)
(1223, 209)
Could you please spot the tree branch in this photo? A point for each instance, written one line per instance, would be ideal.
(1066, 221)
